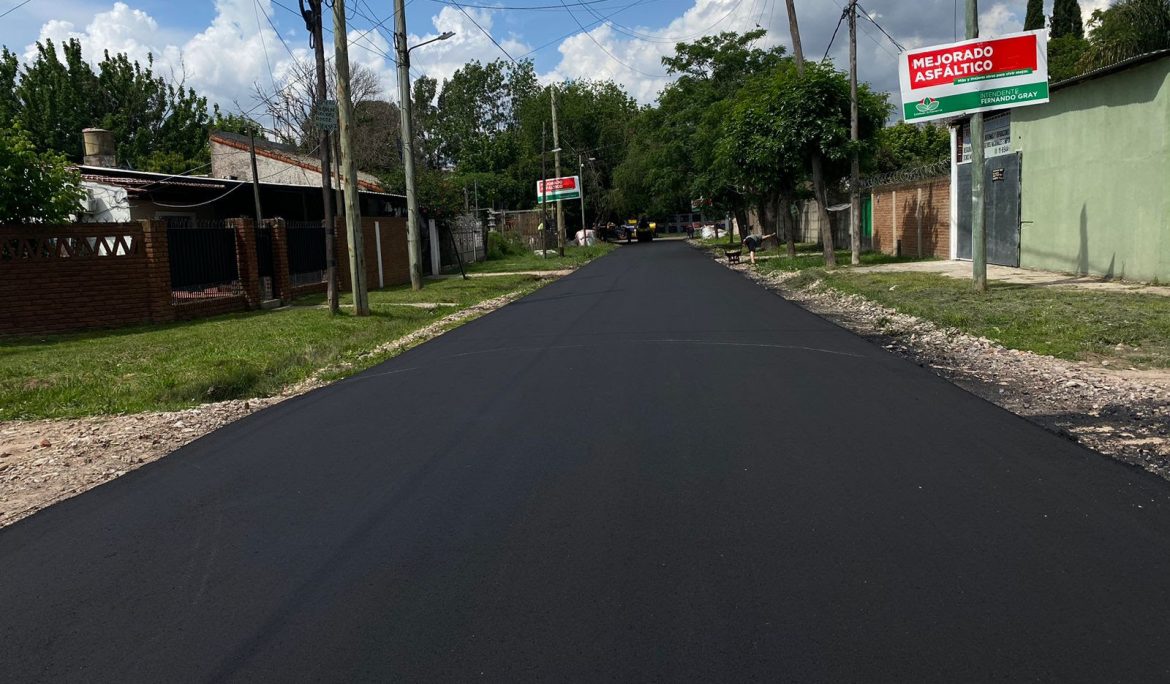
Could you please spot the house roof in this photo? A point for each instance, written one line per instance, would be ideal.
(1112, 68)
(288, 155)
(1123, 65)
(137, 182)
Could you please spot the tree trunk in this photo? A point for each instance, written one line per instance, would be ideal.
(742, 220)
(789, 223)
(818, 171)
(818, 174)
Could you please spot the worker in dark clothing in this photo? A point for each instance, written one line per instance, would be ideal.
(753, 242)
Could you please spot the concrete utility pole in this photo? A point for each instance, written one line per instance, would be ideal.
(854, 165)
(412, 239)
(818, 168)
(978, 234)
(353, 214)
(557, 164)
(313, 23)
(543, 192)
(581, 179)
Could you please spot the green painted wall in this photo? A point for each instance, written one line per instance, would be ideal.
(1095, 193)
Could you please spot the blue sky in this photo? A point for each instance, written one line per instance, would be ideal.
(224, 47)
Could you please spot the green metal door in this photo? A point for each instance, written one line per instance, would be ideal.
(867, 217)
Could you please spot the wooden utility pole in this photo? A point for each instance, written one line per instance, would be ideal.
(818, 167)
(255, 177)
(313, 23)
(854, 164)
(557, 164)
(353, 214)
(978, 234)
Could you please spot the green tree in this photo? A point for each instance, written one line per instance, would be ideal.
(425, 115)
(1127, 29)
(784, 118)
(594, 119)
(9, 68)
(57, 99)
(673, 156)
(1034, 16)
(35, 186)
(477, 117)
(1066, 19)
(905, 145)
(1066, 56)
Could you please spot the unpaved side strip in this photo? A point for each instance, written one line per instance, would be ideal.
(46, 461)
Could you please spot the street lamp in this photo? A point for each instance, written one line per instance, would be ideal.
(584, 226)
(412, 238)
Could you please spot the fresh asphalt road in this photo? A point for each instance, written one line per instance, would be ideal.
(649, 470)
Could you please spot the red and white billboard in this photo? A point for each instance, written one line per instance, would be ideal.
(974, 75)
(568, 187)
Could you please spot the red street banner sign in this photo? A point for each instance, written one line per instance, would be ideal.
(974, 76)
(565, 188)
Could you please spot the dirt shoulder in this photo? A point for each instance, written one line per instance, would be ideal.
(1122, 414)
(45, 461)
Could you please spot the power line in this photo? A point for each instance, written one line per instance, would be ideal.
(275, 30)
(603, 49)
(599, 21)
(13, 9)
(466, 14)
(260, 30)
(834, 37)
(675, 39)
(865, 13)
(523, 7)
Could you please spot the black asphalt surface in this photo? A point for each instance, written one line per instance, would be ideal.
(651, 470)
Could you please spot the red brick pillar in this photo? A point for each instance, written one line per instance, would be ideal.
(280, 268)
(246, 263)
(158, 270)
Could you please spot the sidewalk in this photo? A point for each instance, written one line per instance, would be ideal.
(962, 270)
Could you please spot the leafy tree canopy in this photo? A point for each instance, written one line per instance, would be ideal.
(35, 186)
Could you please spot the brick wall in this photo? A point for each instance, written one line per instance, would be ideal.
(395, 261)
(84, 276)
(60, 278)
(897, 210)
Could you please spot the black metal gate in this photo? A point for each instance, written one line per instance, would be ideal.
(1001, 192)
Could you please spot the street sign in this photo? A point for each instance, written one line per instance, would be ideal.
(326, 115)
(567, 188)
(974, 76)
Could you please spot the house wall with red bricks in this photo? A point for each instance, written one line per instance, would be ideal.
(395, 261)
(52, 280)
(61, 278)
(898, 209)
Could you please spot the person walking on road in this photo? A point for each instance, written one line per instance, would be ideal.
(753, 242)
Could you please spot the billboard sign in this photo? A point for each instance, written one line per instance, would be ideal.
(974, 76)
(566, 188)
